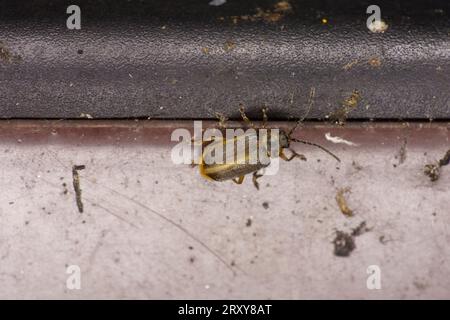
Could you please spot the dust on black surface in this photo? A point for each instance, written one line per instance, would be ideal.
(6, 55)
(340, 115)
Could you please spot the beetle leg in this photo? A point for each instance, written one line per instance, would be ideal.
(245, 118)
(293, 155)
(265, 118)
(239, 180)
(256, 176)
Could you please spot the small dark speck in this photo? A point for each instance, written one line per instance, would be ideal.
(434, 214)
(80, 51)
(27, 223)
(12, 202)
(249, 222)
(233, 263)
(265, 205)
(191, 248)
(84, 221)
(191, 259)
(156, 182)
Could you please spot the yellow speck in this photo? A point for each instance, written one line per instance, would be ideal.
(324, 20)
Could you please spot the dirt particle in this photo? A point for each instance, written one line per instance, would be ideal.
(205, 50)
(350, 65)
(357, 166)
(265, 205)
(360, 229)
(445, 160)
(342, 202)
(340, 115)
(384, 240)
(275, 14)
(401, 155)
(420, 285)
(86, 116)
(65, 191)
(375, 62)
(6, 55)
(344, 244)
(433, 170)
(76, 185)
(229, 45)
(249, 222)
(80, 51)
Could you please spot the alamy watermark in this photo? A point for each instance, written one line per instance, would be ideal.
(374, 279)
(73, 281)
(236, 146)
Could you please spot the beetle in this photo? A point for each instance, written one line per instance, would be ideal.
(238, 168)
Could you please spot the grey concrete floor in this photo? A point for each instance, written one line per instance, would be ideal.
(230, 241)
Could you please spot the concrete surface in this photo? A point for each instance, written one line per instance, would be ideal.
(126, 248)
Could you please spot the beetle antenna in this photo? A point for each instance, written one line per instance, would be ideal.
(312, 93)
(318, 146)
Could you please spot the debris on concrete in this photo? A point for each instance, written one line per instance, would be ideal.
(344, 244)
(433, 170)
(76, 185)
(360, 229)
(342, 202)
(401, 155)
(337, 139)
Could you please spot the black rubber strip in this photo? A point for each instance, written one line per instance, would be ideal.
(189, 59)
